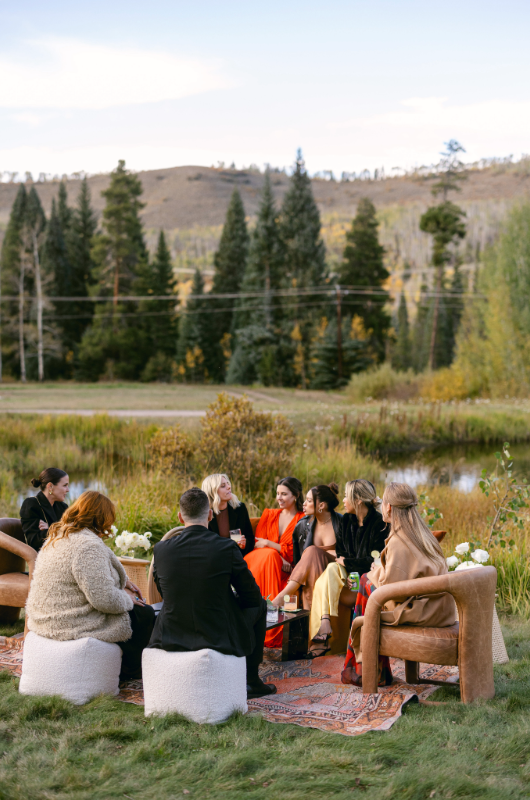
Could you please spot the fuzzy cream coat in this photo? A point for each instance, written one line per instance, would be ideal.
(77, 591)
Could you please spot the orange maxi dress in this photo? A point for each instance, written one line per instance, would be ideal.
(266, 563)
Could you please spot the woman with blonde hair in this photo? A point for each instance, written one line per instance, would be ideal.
(80, 589)
(229, 513)
(363, 533)
(411, 551)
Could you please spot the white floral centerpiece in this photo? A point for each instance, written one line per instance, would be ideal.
(126, 542)
(478, 556)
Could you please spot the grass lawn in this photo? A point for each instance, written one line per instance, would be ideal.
(106, 749)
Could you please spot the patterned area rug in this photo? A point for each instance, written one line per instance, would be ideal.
(310, 693)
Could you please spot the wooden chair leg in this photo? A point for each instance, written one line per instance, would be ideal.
(412, 672)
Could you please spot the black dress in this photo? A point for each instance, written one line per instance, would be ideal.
(238, 518)
(33, 510)
(356, 542)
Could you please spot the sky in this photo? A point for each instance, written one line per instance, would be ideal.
(357, 84)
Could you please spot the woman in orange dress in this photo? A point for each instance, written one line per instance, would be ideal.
(271, 560)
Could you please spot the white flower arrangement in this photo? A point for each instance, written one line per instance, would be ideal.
(127, 542)
(479, 558)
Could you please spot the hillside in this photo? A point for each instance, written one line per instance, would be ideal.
(190, 204)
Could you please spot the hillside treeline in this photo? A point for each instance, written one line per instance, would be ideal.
(85, 299)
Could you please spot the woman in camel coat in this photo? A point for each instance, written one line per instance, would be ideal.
(411, 551)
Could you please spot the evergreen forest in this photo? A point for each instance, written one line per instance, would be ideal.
(83, 298)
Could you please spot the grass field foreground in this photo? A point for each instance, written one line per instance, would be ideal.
(107, 749)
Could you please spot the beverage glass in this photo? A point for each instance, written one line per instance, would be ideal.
(290, 602)
(236, 535)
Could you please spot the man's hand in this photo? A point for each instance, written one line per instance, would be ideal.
(43, 526)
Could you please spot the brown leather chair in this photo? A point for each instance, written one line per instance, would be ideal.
(254, 522)
(466, 644)
(14, 584)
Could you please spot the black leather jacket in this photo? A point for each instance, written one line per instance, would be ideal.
(304, 530)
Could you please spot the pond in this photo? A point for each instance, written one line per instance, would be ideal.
(459, 466)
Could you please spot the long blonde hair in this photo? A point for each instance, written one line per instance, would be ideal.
(211, 485)
(361, 489)
(406, 522)
(92, 510)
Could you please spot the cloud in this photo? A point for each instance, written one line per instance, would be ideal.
(71, 74)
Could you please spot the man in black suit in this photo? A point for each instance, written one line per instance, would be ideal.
(195, 571)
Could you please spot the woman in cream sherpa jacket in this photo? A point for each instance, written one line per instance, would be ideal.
(78, 590)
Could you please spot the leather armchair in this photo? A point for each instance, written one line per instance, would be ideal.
(14, 584)
(467, 643)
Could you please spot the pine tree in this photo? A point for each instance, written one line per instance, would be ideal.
(402, 350)
(57, 268)
(11, 282)
(198, 360)
(363, 266)
(33, 233)
(160, 322)
(230, 262)
(356, 355)
(115, 344)
(305, 265)
(444, 223)
(64, 212)
(257, 320)
(420, 336)
(79, 245)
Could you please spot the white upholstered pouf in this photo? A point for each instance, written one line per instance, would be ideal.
(203, 686)
(77, 670)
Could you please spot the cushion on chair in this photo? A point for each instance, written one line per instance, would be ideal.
(203, 686)
(14, 588)
(77, 670)
(430, 645)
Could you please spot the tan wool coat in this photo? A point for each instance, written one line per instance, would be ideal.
(402, 561)
(77, 591)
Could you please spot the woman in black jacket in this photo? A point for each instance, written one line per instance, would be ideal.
(314, 542)
(38, 513)
(359, 543)
(229, 513)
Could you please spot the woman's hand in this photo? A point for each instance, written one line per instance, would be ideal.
(242, 543)
(261, 543)
(340, 561)
(134, 593)
(43, 526)
(134, 588)
(286, 567)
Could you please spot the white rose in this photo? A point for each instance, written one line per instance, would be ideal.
(452, 561)
(113, 530)
(135, 539)
(148, 534)
(120, 541)
(480, 556)
(467, 565)
(462, 548)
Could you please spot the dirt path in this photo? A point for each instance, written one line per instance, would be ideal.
(89, 412)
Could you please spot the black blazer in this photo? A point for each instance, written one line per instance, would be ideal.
(195, 572)
(38, 508)
(355, 542)
(304, 530)
(238, 518)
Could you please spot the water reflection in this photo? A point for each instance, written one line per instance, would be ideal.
(459, 467)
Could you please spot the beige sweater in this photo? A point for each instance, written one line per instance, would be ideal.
(77, 591)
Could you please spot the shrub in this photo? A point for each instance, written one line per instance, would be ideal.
(449, 383)
(172, 451)
(382, 383)
(254, 448)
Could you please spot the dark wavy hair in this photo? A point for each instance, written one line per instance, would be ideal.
(326, 493)
(295, 487)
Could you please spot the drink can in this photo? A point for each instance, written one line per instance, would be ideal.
(354, 578)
